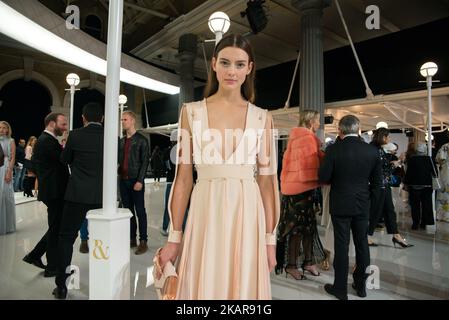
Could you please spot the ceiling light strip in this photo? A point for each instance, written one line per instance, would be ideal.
(18, 27)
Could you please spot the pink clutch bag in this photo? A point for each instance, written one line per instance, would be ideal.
(166, 280)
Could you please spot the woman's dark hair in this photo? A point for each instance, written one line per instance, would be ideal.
(411, 151)
(247, 89)
(379, 135)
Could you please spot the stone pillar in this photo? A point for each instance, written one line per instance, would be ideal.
(187, 54)
(311, 90)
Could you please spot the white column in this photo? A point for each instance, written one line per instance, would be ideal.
(109, 227)
(429, 116)
(111, 115)
(430, 228)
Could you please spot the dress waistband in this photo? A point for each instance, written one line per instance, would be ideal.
(226, 171)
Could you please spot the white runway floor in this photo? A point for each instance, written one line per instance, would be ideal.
(420, 272)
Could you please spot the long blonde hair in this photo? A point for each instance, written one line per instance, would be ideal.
(9, 128)
(30, 140)
(306, 117)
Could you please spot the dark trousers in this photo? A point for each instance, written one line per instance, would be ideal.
(28, 185)
(84, 231)
(421, 203)
(382, 205)
(342, 228)
(49, 242)
(135, 201)
(72, 219)
(19, 175)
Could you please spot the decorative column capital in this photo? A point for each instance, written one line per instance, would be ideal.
(188, 46)
(308, 6)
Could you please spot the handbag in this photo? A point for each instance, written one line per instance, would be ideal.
(436, 182)
(166, 280)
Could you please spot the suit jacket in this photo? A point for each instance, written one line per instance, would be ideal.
(84, 153)
(52, 174)
(353, 168)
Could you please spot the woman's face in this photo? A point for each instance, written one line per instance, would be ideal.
(4, 130)
(315, 123)
(232, 66)
(386, 139)
(33, 142)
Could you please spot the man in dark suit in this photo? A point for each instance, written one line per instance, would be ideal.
(353, 169)
(83, 152)
(52, 176)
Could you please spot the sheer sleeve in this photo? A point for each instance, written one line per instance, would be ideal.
(267, 167)
(183, 161)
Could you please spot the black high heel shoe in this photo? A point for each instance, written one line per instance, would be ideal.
(403, 243)
(294, 276)
(305, 268)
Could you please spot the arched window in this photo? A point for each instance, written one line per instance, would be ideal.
(93, 26)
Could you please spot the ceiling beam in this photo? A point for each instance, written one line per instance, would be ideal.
(326, 31)
(103, 3)
(133, 21)
(173, 8)
(146, 10)
(141, 17)
(267, 36)
(286, 8)
(189, 22)
(335, 36)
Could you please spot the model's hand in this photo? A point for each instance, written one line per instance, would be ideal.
(169, 253)
(8, 176)
(138, 186)
(271, 255)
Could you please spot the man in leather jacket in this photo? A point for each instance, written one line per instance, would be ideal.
(133, 159)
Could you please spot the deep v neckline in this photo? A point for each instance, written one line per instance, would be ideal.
(241, 139)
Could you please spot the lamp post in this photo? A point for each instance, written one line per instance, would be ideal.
(122, 99)
(72, 80)
(428, 70)
(219, 24)
(382, 124)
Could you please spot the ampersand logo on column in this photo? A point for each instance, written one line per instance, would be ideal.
(100, 252)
